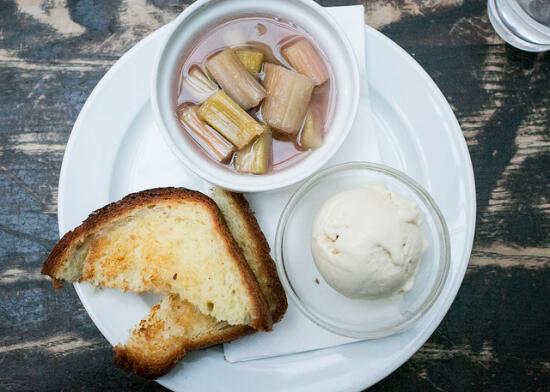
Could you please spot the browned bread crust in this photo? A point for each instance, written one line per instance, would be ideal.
(277, 293)
(58, 256)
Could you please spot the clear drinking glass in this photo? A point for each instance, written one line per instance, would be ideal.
(524, 24)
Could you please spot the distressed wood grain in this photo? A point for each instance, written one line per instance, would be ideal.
(495, 336)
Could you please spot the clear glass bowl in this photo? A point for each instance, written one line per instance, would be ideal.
(357, 318)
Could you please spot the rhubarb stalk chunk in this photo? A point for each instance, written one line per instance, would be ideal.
(232, 76)
(313, 133)
(251, 59)
(255, 157)
(215, 144)
(288, 96)
(198, 84)
(305, 59)
(224, 115)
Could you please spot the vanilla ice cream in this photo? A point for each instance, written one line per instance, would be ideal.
(367, 242)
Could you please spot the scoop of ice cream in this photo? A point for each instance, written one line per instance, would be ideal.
(367, 242)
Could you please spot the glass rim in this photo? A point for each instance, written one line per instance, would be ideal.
(443, 262)
(526, 17)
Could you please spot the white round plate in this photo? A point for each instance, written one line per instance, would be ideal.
(114, 149)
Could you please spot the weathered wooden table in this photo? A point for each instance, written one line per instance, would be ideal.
(496, 334)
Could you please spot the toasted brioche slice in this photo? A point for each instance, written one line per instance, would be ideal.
(175, 326)
(167, 241)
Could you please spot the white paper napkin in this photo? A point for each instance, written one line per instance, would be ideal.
(295, 333)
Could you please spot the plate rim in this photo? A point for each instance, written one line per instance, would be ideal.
(421, 336)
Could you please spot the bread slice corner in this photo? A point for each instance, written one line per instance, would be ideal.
(172, 329)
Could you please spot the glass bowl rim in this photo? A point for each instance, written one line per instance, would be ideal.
(444, 258)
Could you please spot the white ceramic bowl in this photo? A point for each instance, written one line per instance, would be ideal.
(305, 13)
